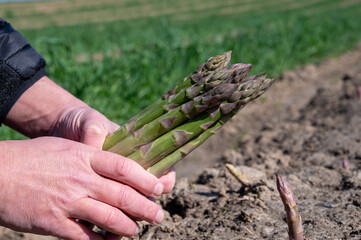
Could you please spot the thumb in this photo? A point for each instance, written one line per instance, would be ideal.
(94, 135)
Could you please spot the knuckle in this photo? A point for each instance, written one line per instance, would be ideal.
(112, 217)
(93, 129)
(123, 167)
(124, 196)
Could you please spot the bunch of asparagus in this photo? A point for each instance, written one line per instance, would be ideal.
(187, 115)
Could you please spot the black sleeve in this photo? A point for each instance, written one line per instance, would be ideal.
(20, 67)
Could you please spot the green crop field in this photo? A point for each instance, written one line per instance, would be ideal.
(119, 56)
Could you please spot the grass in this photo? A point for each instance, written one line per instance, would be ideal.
(153, 53)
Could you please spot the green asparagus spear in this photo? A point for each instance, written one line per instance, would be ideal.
(152, 152)
(171, 119)
(162, 166)
(213, 64)
(167, 162)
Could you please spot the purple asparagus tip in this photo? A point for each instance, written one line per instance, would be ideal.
(294, 221)
(344, 163)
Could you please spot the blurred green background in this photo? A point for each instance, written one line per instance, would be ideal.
(121, 55)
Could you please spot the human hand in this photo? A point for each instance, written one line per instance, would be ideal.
(86, 125)
(46, 109)
(47, 183)
(82, 124)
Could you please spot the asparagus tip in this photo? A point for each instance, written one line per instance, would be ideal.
(294, 221)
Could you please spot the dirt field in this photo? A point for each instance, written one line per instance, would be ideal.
(308, 129)
(32, 15)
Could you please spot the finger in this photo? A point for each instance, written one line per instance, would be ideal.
(127, 199)
(75, 230)
(168, 180)
(104, 216)
(126, 171)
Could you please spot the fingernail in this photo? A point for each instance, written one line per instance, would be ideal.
(137, 231)
(159, 217)
(171, 172)
(158, 190)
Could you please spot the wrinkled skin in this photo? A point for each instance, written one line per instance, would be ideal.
(46, 183)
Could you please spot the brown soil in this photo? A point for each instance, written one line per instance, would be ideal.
(30, 15)
(68, 13)
(307, 128)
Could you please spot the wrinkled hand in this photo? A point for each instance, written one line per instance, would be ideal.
(48, 182)
(86, 125)
(83, 124)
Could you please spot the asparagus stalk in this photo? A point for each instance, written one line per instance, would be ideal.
(173, 118)
(203, 71)
(233, 73)
(211, 98)
(198, 106)
(213, 64)
(152, 152)
(293, 217)
(162, 166)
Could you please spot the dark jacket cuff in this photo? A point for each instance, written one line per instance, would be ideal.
(16, 94)
(20, 67)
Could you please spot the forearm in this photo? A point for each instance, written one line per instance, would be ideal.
(37, 109)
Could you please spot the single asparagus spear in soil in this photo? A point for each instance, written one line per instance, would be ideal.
(237, 174)
(162, 166)
(173, 118)
(293, 217)
(213, 64)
